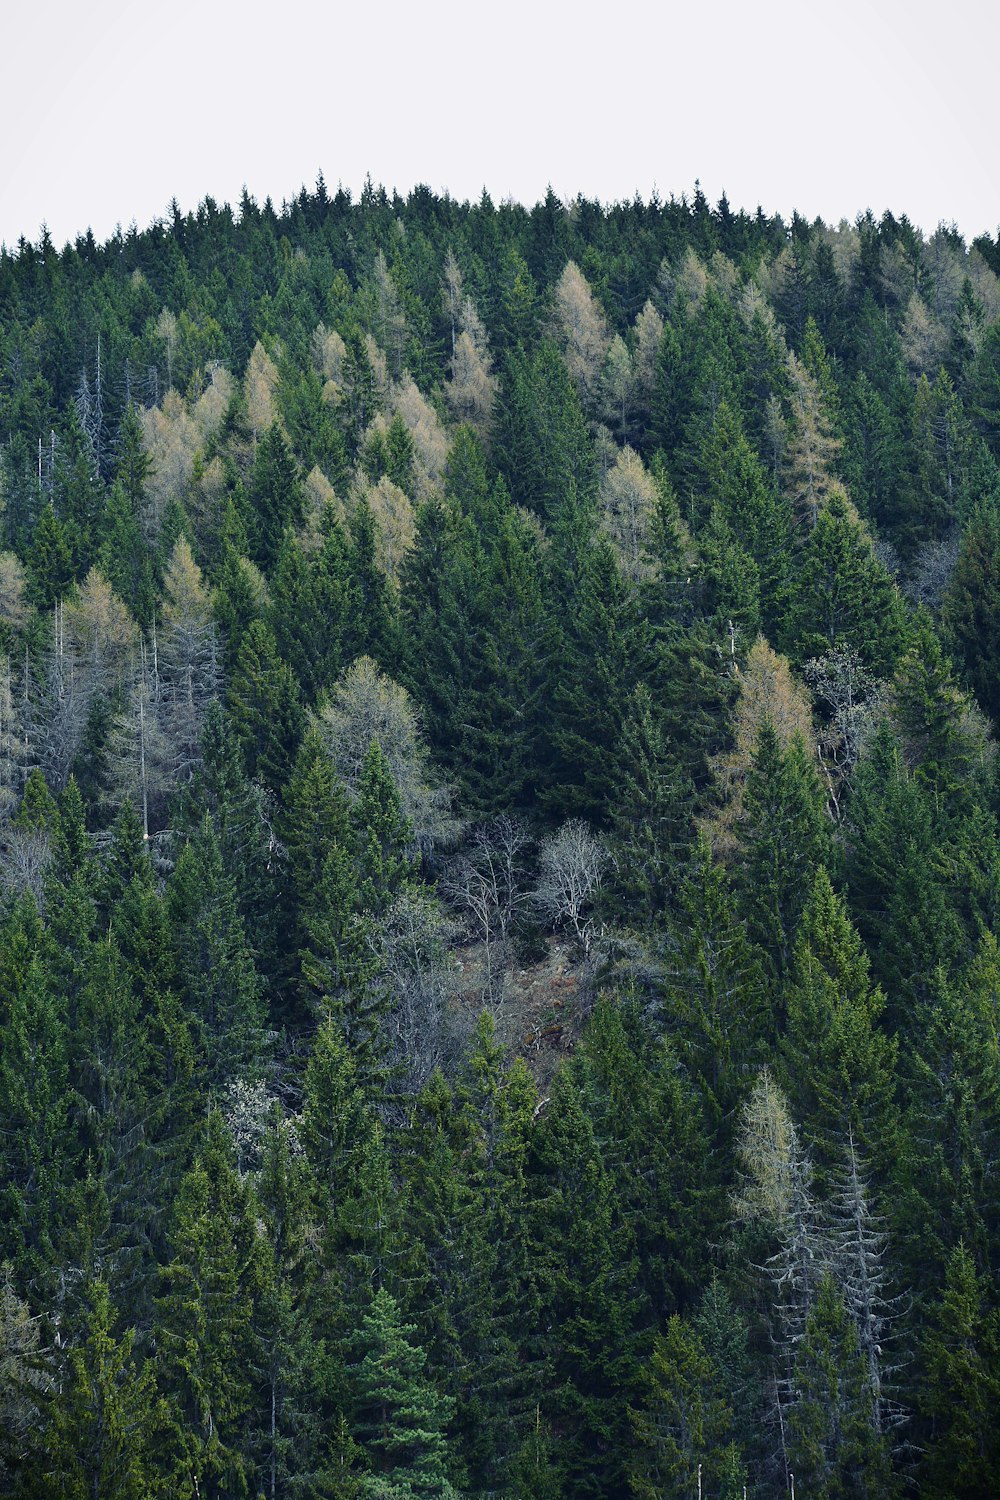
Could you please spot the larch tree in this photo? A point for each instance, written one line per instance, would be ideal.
(583, 332)
(629, 500)
(188, 659)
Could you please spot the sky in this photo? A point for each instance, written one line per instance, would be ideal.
(111, 109)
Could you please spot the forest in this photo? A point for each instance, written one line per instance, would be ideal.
(499, 855)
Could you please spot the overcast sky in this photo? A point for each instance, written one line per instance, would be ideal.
(111, 108)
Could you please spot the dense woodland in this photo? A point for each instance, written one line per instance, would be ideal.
(395, 594)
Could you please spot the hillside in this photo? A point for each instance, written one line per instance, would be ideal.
(499, 854)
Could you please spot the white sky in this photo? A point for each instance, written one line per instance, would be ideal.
(112, 108)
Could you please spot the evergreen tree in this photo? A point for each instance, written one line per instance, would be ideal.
(784, 836)
(220, 985)
(276, 495)
(834, 1448)
(961, 1387)
(99, 1439)
(683, 1426)
(838, 1064)
(204, 1327)
(400, 1418)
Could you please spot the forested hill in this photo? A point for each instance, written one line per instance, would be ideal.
(431, 632)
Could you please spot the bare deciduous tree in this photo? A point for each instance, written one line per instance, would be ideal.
(418, 977)
(572, 862)
(487, 882)
(855, 700)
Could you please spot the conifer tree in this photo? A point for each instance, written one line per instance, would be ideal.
(204, 1327)
(961, 1385)
(400, 1419)
(99, 1440)
(220, 984)
(834, 1448)
(784, 837)
(683, 1426)
(276, 495)
(838, 1064)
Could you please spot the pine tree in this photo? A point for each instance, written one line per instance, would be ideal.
(99, 1439)
(683, 1427)
(784, 836)
(834, 1448)
(961, 1385)
(400, 1419)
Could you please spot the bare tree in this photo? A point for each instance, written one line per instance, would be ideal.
(855, 701)
(487, 882)
(418, 977)
(572, 862)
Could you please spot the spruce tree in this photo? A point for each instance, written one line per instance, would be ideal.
(400, 1418)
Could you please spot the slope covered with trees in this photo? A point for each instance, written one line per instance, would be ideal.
(385, 587)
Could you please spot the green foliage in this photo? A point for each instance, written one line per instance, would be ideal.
(400, 1418)
(834, 1448)
(280, 1214)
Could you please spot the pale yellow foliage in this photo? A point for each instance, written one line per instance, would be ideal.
(380, 368)
(259, 385)
(691, 282)
(812, 447)
(617, 383)
(628, 498)
(897, 274)
(364, 706)
(14, 607)
(946, 264)
(429, 437)
(393, 511)
(582, 331)
(211, 406)
(206, 502)
(985, 285)
(752, 303)
(845, 243)
(171, 438)
(648, 334)
(766, 1151)
(328, 351)
(172, 435)
(724, 275)
(923, 336)
(186, 602)
(166, 329)
(471, 392)
(101, 632)
(768, 694)
(320, 499)
(389, 321)
(451, 295)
